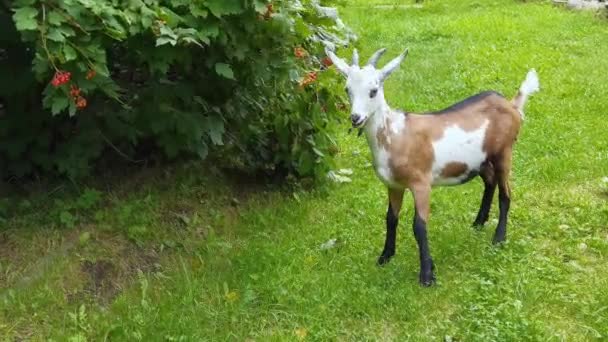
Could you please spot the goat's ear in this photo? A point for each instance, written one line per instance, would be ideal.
(392, 66)
(338, 62)
(373, 60)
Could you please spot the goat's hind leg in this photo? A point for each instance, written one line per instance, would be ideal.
(487, 175)
(395, 199)
(503, 170)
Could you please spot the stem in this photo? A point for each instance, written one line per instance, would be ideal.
(43, 39)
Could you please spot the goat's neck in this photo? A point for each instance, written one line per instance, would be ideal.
(378, 122)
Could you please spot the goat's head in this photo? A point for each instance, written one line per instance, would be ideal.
(364, 85)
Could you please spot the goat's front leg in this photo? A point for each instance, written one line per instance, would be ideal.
(422, 196)
(395, 199)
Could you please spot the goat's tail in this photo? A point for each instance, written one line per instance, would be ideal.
(529, 87)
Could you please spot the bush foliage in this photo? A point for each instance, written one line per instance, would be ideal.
(243, 79)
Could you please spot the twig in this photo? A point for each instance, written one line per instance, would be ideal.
(70, 19)
(50, 193)
(121, 153)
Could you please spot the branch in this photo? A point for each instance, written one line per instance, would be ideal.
(120, 153)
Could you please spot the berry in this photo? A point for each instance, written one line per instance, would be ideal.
(327, 62)
(81, 102)
(310, 77)
(74, 91)
(90, 74)
(299, 52)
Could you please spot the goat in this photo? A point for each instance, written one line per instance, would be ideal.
(418, 151)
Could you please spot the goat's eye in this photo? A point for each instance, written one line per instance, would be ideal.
(373, 93)
(346, 91)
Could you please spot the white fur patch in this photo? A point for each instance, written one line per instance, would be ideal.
(397, 123)
(531, 85)
(382, 167)
(379, 154)
(458, 146)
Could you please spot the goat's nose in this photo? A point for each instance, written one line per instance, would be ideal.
(355, 118)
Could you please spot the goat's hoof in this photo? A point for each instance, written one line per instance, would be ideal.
(384, 259)
(478, 225)
(499, 241)
(427, 278)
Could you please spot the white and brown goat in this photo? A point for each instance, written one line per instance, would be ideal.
(450, 147)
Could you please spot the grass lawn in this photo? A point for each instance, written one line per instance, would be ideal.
(188, 254)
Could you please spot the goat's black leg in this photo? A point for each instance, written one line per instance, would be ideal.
(392, 220)
(486, 204)
(489, 182)
(504, 197)
(422, 198)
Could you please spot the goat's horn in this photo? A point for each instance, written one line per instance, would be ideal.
(373, 60)
(355, 57)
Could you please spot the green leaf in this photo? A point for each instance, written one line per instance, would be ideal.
(54, 18)
(166, 31)
(56, 36)
(202, 150)
(66, 31)
(25, 18)
(215, 128)
(69, 53)
(260, 6)
(190, 40)
(221, 8)
(60, 103)
(225, 70)
(165, 40)
(197, 11)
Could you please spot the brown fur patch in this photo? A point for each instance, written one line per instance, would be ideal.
(381, 136)
(395, 198)
(411, 153)
(518, 100)
(422, 199)
(453, 170)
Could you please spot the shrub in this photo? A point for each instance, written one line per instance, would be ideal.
(241, 79)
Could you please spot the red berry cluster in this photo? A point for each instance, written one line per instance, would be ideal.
(60, 78)
(79, 100)
(311, 77)
(63, 77)
(299, 52)
(327, 62)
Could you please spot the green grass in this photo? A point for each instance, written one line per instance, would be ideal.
(190, 254)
